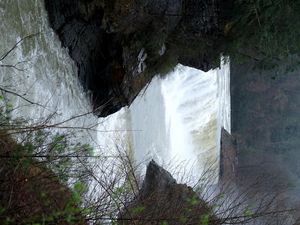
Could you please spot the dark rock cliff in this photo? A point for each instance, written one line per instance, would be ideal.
(162, 201)
(228, 158)
(97, 54)
(266, 125)
(119, 45)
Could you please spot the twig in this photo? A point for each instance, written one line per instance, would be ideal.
(12, 66)
(17, 44)
(16, 94)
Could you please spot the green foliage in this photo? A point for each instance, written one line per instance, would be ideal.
(164, 223)
(88, 149)
(248, 211)
(58, 153)
(137, 210)
(204, 220)
(8, 220)
(39, 153)
(9, 106)
(5, 111)
(266, 31)
(183, 219)
(194, 200)
(58, 143)
(79, 188)
(2, 210)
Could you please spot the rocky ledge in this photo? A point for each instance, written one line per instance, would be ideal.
(119, 45)
(162, 201)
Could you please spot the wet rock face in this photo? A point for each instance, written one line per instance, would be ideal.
(156, 179)
(201, 16)
(163, 7)
(228, 158)
(161, 199)
(97, 54)
(266, 124)
(105, 37)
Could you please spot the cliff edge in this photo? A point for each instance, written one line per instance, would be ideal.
(119, 45)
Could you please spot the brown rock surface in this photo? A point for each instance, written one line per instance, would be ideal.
(228, 158)
(162, 201)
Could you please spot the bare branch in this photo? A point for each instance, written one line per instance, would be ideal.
(17, 44)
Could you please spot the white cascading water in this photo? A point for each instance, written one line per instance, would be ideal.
(44, 73)
(179, 119)
(176, 119)
(197, 106)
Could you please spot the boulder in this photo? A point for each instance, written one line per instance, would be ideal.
(162, 200)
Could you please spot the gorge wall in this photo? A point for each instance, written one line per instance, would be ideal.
(266, 126)
(228, 158)
(118, 46)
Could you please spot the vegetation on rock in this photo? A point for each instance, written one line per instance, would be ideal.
(47, 180)
(264, 31)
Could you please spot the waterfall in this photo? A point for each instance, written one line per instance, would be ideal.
(191, 111)
(174, 119)
(179, 119)
(44, 74)
(197, 107)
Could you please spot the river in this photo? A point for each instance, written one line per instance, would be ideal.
(176, 119)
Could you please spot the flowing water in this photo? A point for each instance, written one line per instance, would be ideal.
(179, 119)
(44, 75)
(175, 119)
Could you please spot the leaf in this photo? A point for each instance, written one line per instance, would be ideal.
(183, 219)
(137, 210)
(2, 210)
(193, 201)
(9, 106)
(79, 187)
(204, 219)
(249, 210)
